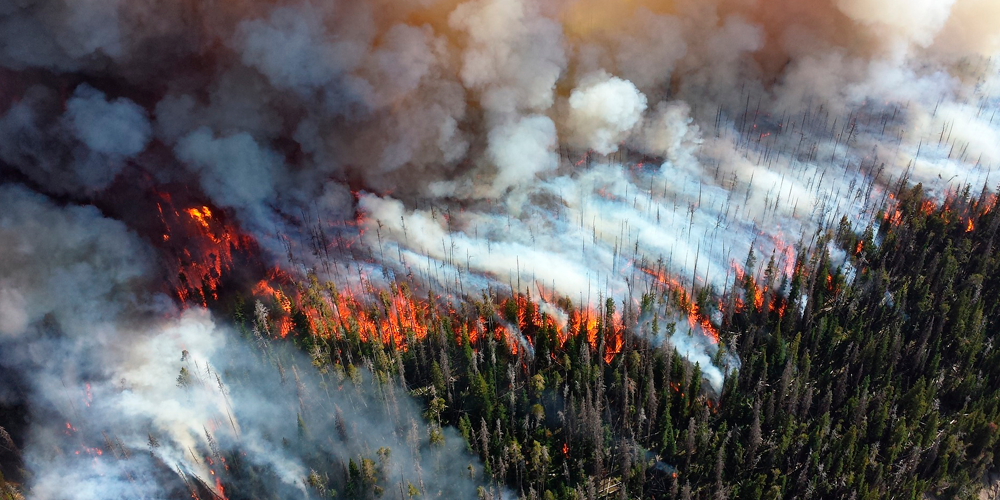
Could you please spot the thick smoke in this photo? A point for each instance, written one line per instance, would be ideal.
(566, 147)
(521, 150)
(602, 111)
(234, 171)
(121, 397)
(80, 151)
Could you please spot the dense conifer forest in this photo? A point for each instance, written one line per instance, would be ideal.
(499, 249)
(868, 372)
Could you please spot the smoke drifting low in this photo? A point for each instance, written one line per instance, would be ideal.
(572, 148)
(127, 404)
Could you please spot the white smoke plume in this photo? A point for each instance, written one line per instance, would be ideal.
(559, 146)
(602, 111)
(522, 150)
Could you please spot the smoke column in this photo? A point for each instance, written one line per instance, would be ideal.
(567, 148)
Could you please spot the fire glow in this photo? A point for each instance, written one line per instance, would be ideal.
(203, 248)
(695, 318)
(393, 315)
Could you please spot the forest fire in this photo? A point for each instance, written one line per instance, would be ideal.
(778, 307)
(585, 323)
(208, 248)
(202, 216)
(264, 288)
(220, 489)
(203, 246)
(750, 287)
(704, 323)
(396, 318)
(297, 227)
(399, 317)
(614, 343)
(893, 217)
(695, 319)
(955, 208)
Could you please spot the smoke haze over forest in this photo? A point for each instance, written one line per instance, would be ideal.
(575, 150)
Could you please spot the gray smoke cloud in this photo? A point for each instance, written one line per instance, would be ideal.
(125, 389)
(235, 171)
(569, 146)
(81, 150)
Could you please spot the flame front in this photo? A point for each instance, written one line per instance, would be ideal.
(695, 317)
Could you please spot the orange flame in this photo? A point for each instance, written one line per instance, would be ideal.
(927, 207)
(203, 246)
(284, 322)
(585, 323)
(694, 318)
(615, 340)
(398, 317)
(895, 218)
(778, 308)
(202, 216)
(218, 487)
